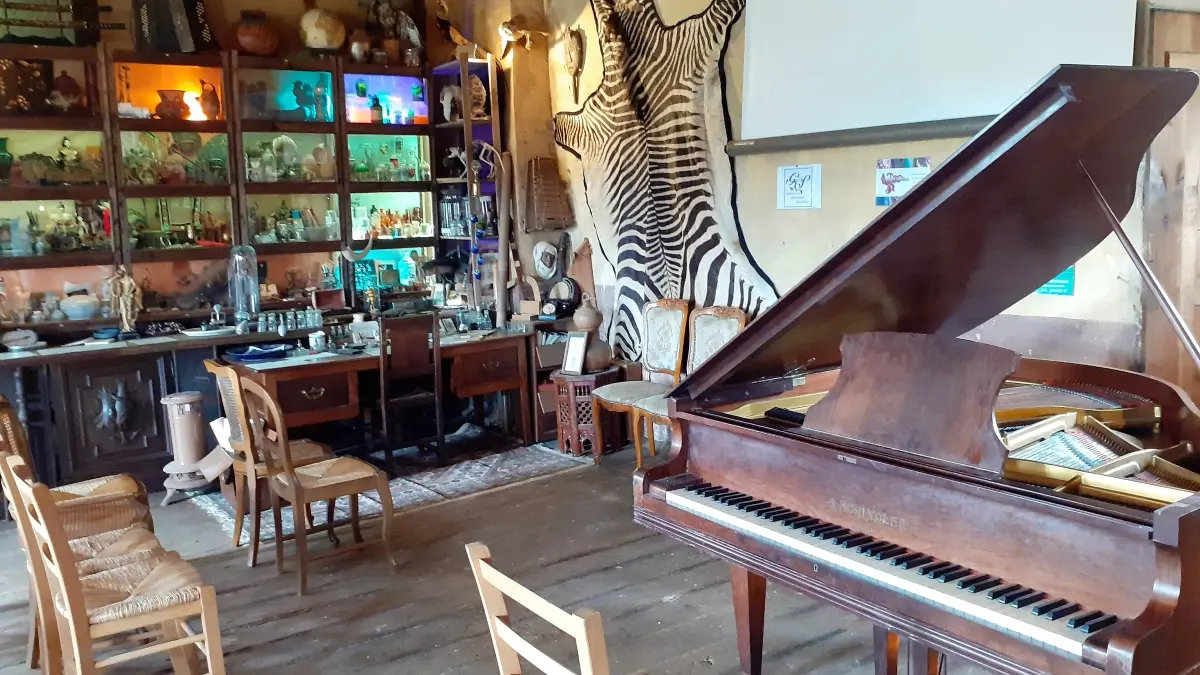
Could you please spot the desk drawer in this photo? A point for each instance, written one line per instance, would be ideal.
(486, 372)
(320, 392)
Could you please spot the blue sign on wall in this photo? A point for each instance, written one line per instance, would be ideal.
(1063, 284)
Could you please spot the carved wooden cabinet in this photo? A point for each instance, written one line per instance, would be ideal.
(107, 418)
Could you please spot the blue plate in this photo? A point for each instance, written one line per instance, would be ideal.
(256, 353)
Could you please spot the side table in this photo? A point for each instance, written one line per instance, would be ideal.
(575, 421)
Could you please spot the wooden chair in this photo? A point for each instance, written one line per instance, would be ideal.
(584, 625)
(410, 354)
(94, 553)
(663, 330)
(91, 506)
(145, 602)
(711, 329)
(246, 492)
(326, 480)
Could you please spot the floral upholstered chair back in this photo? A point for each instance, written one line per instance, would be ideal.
(665, 323)
(712, 329)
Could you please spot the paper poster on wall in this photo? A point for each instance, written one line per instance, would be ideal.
(1063, 284)
(799, 187)
(895, 177)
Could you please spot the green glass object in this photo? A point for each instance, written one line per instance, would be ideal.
(6, 160)
(360, 88)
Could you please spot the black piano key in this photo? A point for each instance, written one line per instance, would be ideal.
(753, 504)
(905, 559)
(930, 568)
(698, 487)
(946, 577)
(783, 516)
(870, 548)
(816, 530)
(980, 584)
(830, 534)
(771, 512)
(1027, 600)
(850, 534)
(890, 552)
(1099, 624)
(759, 510)
(937, 575)
(1080, 619)
(1047, 607)
(910, 563)
(794, 520)
(713, 491)
(727, 495)
(1064, 611)
(997, 593)
(1013, 596)
(734, 500)
(963, 583)
(808, 526)
(858, 540)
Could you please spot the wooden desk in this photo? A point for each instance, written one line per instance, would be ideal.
(325, 389)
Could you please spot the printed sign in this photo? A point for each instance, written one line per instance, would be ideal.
(1063, 284)
(895, 177)
(799, 187)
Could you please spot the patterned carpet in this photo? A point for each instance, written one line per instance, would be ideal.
(427, 487)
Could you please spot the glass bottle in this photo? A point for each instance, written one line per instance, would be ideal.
(376, 110)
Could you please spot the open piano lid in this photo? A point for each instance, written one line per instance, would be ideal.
(1007, 212)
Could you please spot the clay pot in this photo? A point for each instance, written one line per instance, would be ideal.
(587, 317)
(360, 46)
(598, 357)
(172, 106)
(256, 35)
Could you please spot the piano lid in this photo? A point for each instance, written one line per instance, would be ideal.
(1007, 212)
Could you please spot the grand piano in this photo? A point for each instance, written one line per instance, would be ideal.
(1031, 516)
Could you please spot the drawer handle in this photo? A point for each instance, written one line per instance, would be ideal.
(491, 365)
(314, 393)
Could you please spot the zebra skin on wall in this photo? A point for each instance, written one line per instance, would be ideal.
(651, 142)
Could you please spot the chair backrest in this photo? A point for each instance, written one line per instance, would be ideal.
(712, 328)
(265, 422)
(584, 625)
(229, 385)
(404, 345)
(13, 438)
(665, 323)
(50, 556)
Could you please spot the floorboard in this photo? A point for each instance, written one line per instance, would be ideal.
(570, 537)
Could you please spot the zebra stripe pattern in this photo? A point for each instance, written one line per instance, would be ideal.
(643, 138)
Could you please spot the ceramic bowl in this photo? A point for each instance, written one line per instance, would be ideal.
(80, 307)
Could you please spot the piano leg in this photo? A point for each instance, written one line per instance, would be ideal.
(922, 660)
(749, 608)
(887, 651)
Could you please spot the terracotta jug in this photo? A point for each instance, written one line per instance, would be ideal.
(587, 317)
(256, 35)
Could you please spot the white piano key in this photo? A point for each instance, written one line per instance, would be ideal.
(1019, 622)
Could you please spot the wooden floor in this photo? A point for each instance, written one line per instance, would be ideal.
(666, 607)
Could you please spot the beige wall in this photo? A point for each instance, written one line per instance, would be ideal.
(790, 244)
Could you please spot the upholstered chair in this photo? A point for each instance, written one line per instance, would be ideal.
(664, 324)
(712, 329)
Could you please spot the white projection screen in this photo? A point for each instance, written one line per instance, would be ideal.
(828, 65)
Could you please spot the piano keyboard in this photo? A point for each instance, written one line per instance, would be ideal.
(1025, 613)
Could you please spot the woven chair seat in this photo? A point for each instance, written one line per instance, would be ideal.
(628, 393)
(115, 486)
(88, 516)
(158, 581)
(114, 544)
(303, 452)
(331, 472)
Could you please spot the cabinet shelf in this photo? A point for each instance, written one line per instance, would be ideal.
(295, 247)
(293, 188)
(79, 193)
(53, 260)
(288, 127)
(366, 187)
(198, 126)
(458, 124)
(388, 244)
(380, 129)
(376, 69)
(150, 255)
(52, 123)
(168, 191)
(463, 181)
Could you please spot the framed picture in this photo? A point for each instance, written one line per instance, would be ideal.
(576, 352)
(447, 325)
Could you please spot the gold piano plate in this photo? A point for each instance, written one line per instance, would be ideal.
(1126, 491)
(758, 409)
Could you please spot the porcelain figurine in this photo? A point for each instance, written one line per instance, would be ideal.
(450, 97)
(210, 102)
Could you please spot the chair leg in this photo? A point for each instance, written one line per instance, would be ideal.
(597, 425)
(636, 425)
(33, 647)
(212, 631)
(333, 538)
(358, 538)
(277, 514)
(651, 420)
(239, 497)
(301, 538)
(385, 500)
(252, 500)
(184, 660)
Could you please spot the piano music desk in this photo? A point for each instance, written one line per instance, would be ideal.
(324, 388)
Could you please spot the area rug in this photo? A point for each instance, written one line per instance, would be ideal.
(419, 489)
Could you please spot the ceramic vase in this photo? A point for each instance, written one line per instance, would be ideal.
(598, 357)
(587, 317)
(210, 102)
(256, 35)
(6, 160)
(171, 105)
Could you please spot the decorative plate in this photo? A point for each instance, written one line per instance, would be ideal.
(211, 332)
